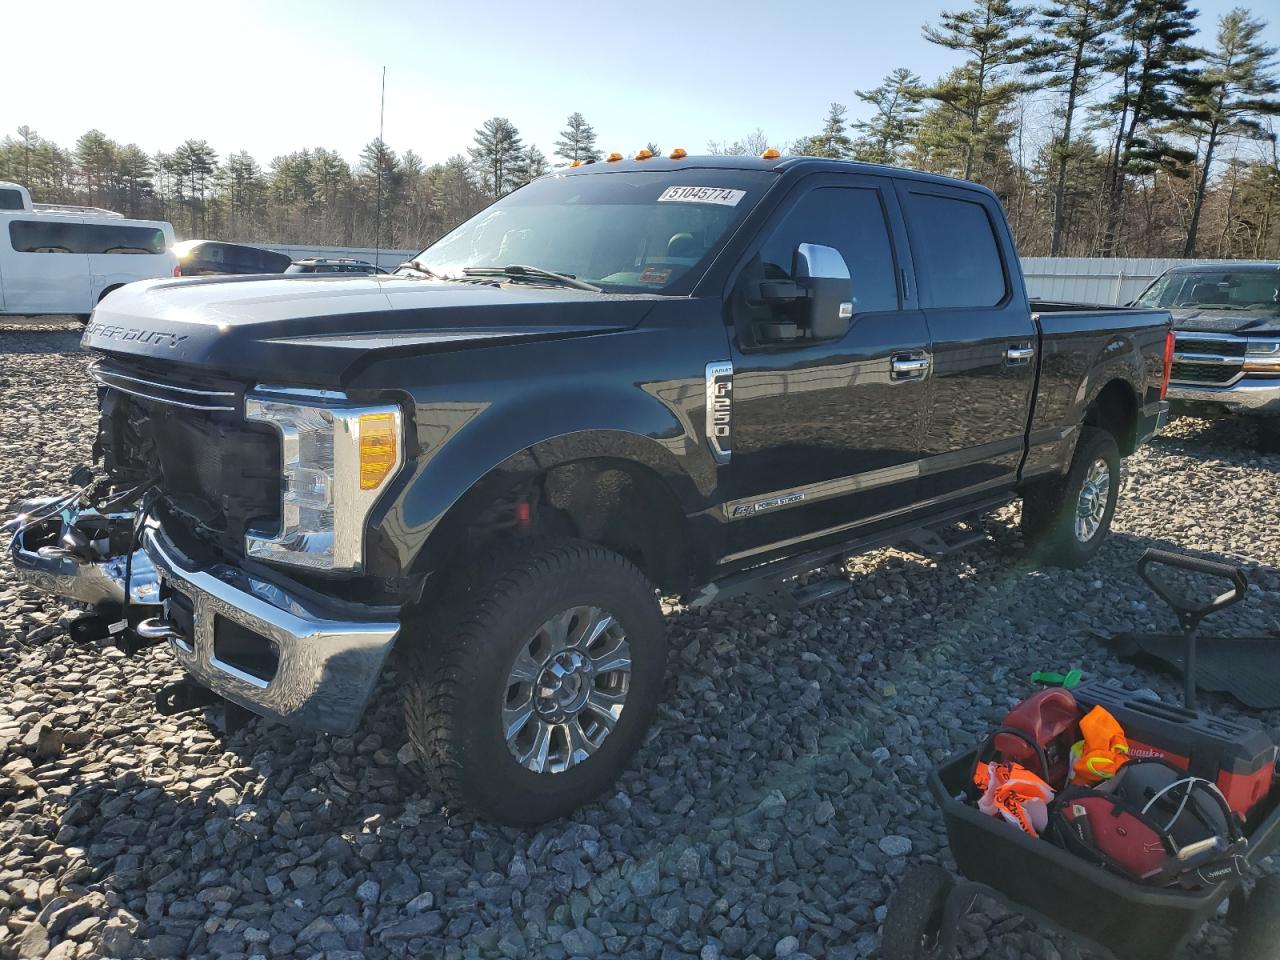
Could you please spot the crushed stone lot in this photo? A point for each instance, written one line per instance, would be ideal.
(779, 795)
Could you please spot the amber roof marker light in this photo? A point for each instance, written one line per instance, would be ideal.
(644, 155)
(613, 158)
(679, 153)
(770, 154)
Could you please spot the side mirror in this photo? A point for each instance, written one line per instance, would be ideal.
(822, 272)
(818, 299)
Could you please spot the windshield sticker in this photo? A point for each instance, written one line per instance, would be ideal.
(721, 195)
(658, 275)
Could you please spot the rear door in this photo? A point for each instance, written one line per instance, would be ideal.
(982, 339)
(826, 433)
(46, 269)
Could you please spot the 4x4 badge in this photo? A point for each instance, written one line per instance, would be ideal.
(720, 409)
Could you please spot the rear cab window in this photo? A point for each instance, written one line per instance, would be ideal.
(956, 250)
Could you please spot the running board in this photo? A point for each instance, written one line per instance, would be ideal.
(772, 577)
(938, 540)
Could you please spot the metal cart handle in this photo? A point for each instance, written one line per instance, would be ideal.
(1189, 614)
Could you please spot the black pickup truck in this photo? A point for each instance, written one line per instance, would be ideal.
(661, 377)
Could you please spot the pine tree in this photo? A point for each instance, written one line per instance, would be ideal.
(533, 164)
(833, 141)
(577, 140)
(243, 189)
(891, 127)
(1152, 62)
(95, 156)
(1077, 37)
(134, 171)
(496, 155)
(989, 33)
(193, 163)
(1236, 86)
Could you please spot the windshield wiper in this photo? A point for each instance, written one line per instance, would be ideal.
(417, 266)
(519, 270)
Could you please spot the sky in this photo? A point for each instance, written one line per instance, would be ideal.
(273, 77)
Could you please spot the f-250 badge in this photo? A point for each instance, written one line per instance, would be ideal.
(720, 409)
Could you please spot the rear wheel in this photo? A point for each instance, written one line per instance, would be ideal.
(538, 690)
(1067, 520)
(913, 923)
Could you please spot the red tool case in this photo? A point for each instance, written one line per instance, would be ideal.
(1240, 759)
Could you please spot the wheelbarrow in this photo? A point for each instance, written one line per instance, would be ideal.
(1099, 910)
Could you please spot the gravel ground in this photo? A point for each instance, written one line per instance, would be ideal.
(780, 794)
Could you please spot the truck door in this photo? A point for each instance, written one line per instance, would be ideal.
(825, 434)
(982, 339)
(45, 270)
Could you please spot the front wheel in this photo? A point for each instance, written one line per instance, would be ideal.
(1067, 520)
(534, 695)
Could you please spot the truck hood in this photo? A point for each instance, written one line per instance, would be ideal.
(1203, 320)
(311, 330)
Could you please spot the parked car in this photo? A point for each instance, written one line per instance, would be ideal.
(199, 258)
(1226, 359)
(64, 259)
(685, 377)
(338, 265)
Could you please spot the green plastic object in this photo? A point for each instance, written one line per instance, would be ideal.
(1065, 680)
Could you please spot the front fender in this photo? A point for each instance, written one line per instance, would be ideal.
(520, 433)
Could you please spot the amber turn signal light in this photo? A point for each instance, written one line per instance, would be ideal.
(378, 449)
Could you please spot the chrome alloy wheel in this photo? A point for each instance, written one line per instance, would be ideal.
(566, 690)
(1091, 506)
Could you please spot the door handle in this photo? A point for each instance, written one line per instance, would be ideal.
(907, 367)
(1019, 354)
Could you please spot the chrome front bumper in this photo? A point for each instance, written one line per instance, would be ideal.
(1249, 395)
(327, 668)
(323, 668)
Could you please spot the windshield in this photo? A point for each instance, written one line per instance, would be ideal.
(638, 231)
(1255, 290)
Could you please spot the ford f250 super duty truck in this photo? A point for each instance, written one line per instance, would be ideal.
(672, 377)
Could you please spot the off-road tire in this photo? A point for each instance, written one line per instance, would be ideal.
(1049, 509)
(1258, 935)
(457, 666)
(913, 922)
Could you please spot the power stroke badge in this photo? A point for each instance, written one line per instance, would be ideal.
(720, 410)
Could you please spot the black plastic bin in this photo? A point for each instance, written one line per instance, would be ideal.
(1085, 901)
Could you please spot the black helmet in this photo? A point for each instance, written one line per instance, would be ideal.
(1188, 809)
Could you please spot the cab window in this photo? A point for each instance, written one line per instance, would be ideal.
(852, 220)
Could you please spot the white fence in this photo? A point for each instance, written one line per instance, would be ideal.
(1066, 279)
(1092, 279)
(387, 259)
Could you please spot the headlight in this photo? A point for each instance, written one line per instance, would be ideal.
(335, 461)
(1262, 356)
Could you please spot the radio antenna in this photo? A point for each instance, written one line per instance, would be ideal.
(381, 157)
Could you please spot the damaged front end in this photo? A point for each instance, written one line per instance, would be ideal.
(67, 547)
(155, 551)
